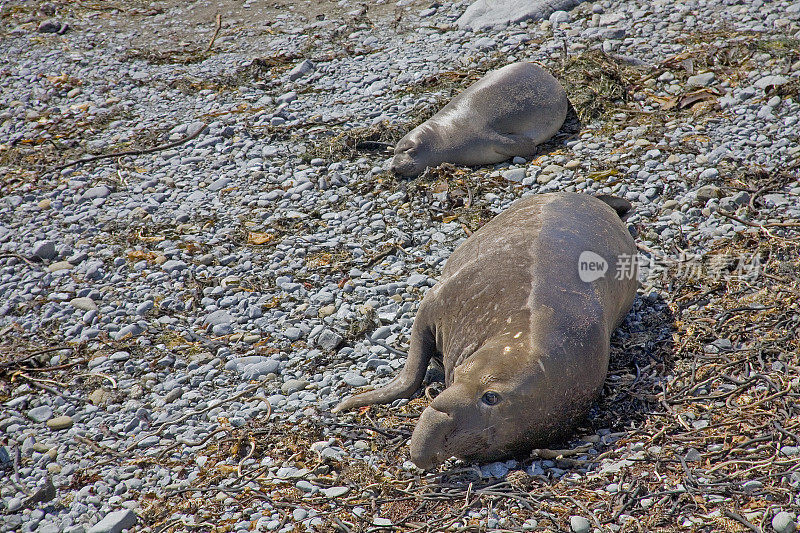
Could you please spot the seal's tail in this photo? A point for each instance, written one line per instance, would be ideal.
(622, 206)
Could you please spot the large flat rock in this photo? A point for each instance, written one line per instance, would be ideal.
(493, 13)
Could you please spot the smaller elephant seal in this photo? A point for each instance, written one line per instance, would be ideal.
(506, 113)
(521, 320)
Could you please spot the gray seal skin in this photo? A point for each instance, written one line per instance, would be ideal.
(523, 341)
(506, 113)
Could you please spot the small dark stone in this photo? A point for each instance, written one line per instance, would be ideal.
(5, 458)
(49, 26)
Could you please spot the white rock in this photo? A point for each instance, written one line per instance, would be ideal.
(490, 13)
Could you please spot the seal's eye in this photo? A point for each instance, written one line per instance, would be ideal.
(490, 398)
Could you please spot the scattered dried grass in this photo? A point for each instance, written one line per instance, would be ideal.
(597, 83)
(180, 56)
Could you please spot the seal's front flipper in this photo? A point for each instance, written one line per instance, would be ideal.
(420, 351)
(511, 144)
(622, 206)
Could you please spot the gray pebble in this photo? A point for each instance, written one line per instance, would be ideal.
(335, 492)
(693, 455)
(144, 307)
(84, 304)
(101, 191)
(218, 317)
(115, 522)
(559, 17)
(293, 333)
(498, 469)
(41, 414)
(579, 524)
(293, 385)
(173, 265)
(700, 80)
(306, 486)
(355, 380)
(44, 250)
(263, 368)
(14, 504)
(515, 174)
(286, 98)
(131, 330)
(218, 184)
(417, 280)
(49, 26)
(301, 69)
(328, 340)
(752, 486)
(530, 524)
(150, 441)
(707, 192)
(771, 81)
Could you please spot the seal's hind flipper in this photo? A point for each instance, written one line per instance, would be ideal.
(622, 206)
(421, 348)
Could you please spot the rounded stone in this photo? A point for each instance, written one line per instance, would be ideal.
(579, 524)
(60, 422)
(15, 504)
(783, 522)
(335, 492)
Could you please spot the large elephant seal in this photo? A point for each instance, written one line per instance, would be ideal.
(506, 113)
(523, 339)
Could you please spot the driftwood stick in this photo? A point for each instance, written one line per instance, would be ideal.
(216, 32)
(158, 148)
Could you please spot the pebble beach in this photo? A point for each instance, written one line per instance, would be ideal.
(180, 311)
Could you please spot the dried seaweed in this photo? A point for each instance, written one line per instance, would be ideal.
(597, 83)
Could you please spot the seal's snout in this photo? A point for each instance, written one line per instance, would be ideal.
(428, 441)
(426, 462)
(404, 165)
(408, 157)
(396, 165)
